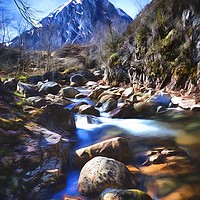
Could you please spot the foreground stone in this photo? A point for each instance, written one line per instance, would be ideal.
(101, 173)
(117, 148)
(116, 194)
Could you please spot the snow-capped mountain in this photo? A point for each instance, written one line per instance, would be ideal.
(75, 22)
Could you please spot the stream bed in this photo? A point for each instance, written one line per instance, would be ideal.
(174, 131)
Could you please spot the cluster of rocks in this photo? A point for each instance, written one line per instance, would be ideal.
(36, 129)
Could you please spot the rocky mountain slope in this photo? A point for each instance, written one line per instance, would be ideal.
(75, 22)
(162, 49)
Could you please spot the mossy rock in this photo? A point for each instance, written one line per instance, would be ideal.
(130, 194)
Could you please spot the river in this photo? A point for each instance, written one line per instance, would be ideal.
(175, 129)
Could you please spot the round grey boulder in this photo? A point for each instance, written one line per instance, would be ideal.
(100, 173)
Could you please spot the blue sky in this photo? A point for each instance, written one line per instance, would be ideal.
(131, 7)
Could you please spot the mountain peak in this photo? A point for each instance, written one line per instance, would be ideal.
(74, 22)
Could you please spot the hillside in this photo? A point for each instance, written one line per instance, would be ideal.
(163, 45)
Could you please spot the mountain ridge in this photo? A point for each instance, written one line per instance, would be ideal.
(74, 22)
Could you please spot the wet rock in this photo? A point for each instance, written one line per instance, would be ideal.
(80, 96)
(161, 99)
(146, 109)
(109, 105)
(104, 97)
(49, 88)
(117, 194)
(77, 80)
(37, 101)
(125, 111)
(195, 108)
(26, 89)
(89, 110)
(117, 148)
(96, 92)
(101, 173)
(70, 92)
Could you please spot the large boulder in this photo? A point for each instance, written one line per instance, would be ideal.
(77, 80)
(117, 148)
(49, 88)
(56, 118)
(118, 194)
(101, 173)
(145, 109)
(70, 92)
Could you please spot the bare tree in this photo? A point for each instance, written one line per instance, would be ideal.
(26, 11)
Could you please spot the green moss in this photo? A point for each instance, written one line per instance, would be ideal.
(17, 94)
(22, 78)
(10, 124)
(71, 69)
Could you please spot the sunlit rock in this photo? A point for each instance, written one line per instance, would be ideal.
(89, 110)
(70, 92)
(26, 89)
(49, 88)
(117, 148)
(101, 173)
(109, 105)
(145, 109)
(78, 80)
(117, 194)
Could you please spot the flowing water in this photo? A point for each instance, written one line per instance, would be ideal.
(175, 129)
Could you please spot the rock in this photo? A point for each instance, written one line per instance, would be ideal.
(11, 84)
(89, 110)
(126, 111)
(117, 194)
(56, 118)
(127, 93)
(117, 148)
(145, 109)
(49, 88)
(58, 99)
(26, 89)
(34, 79)
(91, 83)
(104, 97)
(187, 103)
(101, 173)
(109, 105)
(77, 80)
(195, 108)
(80, 96)
(161, 99)
(37, 101)
(69, 92)
(76, 107)
(53, 76)
(96, 92)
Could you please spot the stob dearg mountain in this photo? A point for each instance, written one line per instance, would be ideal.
(75, 22)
